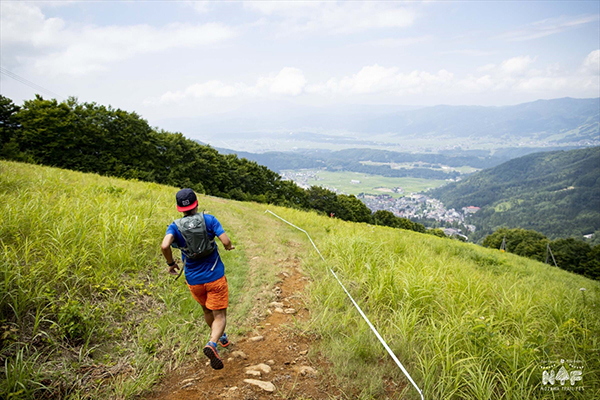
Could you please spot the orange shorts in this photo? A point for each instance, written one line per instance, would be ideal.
(212, 295)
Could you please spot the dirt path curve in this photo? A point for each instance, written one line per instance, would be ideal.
(276, 345)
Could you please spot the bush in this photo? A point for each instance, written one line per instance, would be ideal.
(75, 321)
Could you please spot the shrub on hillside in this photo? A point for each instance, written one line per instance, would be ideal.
(570, 254)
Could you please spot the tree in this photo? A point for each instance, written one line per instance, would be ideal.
(9, 128)
(571, 254)
(436, 232)
(526, 243)
(591, 267)
(8, 123)
(322, 199)
(292, 195)
(48, 132)
(351, 209)
(385, 218)
(405, 223)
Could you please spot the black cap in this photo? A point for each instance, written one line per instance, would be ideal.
(186, 200)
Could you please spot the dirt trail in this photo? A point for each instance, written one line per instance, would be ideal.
(282, 348)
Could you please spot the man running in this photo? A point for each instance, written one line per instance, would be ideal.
(194, 235)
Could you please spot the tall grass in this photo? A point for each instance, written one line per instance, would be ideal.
(467, 322)
(86, 307)
(87, 310)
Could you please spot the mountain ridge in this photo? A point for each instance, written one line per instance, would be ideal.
(555, 193)
(564, 120)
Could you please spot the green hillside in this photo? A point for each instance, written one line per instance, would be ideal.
(84, 290)
(555, 193)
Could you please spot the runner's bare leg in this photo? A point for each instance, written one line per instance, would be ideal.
(208, 316)
(218, 324)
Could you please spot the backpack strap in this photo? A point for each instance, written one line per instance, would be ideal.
(179, 224)
(212, 241)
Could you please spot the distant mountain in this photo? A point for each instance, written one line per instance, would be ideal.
(555, 193)
(555, 122)
(577, 119)
(267, 117)
(351, 159)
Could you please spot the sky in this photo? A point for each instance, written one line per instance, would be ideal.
(169, 59)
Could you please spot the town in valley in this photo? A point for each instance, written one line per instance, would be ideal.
(415, 206)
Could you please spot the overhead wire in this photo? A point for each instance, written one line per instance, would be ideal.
(29, 83)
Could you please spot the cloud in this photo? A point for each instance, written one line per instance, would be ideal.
(516, 65)
(376, 79)
(518, 75)
(469, 52)
(486, 67)
(591, 64)
(547, 27)
(201, 7)
(22, 23)
(288, 82)
(400, 41)
(64, 49)
(334, 17)
(515, 75)
(476, 84)
(211, 88)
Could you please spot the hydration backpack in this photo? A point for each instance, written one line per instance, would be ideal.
(193, 230)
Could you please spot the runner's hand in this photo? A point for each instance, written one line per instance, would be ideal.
(230, 248)
(174, 270)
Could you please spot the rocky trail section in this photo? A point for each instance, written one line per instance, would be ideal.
(269, 362)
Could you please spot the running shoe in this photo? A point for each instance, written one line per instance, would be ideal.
(210, 351)
(223, 341)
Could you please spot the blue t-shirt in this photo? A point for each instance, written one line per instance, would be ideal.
(206, 269)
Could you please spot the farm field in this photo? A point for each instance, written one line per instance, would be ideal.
(463, 170)
(371, 184)
(84, 292)
(374, 184)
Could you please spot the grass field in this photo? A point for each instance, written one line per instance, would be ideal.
(84, 293)
(369, 184)
(467, 322)
(85, 297)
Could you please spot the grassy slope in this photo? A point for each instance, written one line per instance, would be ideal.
(84, 290)
(467, 322)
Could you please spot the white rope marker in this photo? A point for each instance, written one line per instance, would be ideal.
(390, 352)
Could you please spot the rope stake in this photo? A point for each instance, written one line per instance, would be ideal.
(390, 352)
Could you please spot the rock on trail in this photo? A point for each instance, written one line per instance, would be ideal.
(266, 386)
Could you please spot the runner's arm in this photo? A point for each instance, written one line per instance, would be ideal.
(165, 247)
(226, 242)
